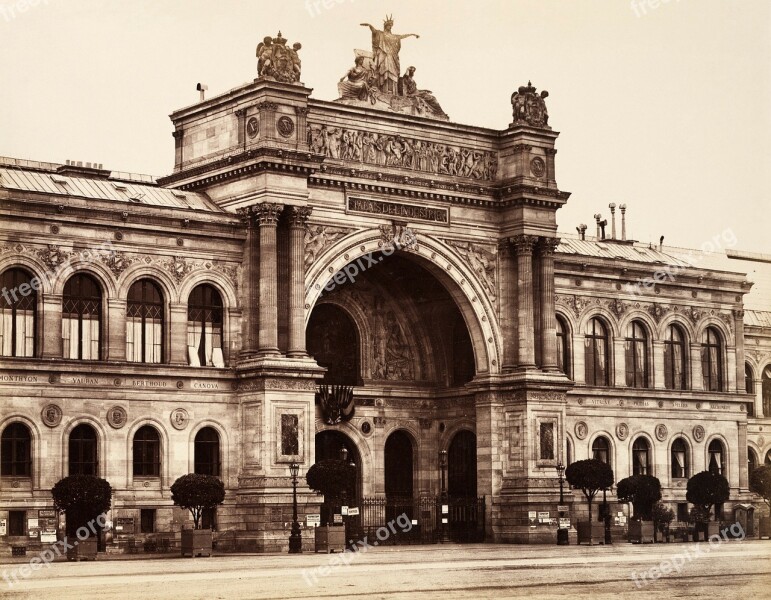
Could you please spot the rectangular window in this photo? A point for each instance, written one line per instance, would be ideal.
(290, 440)
(719, 511)
(209, 519)
(16, 522)
(147, 520)
(682, 511)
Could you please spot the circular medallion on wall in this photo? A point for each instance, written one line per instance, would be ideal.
(661, 432)
(366, 428)
(117, 417)
(581, 430)
(285, 126)
(252, 127)
(761, 441)
(538, 167)
(52, 415)
(179, 418)
(622, 431)
(698, 433)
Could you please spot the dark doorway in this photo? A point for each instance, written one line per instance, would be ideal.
(398, 465)
(333, 340)
(462, 466)
(328, 447)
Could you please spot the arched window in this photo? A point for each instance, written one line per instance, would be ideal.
(636, 351)
(601, 450)
(147, 452)
(16, 451)
(563, 347)
(207, 452)
(766, 390)
(596, 359)
(568, 453)
(82, 318)
(332, 340)
(641, 459)
(711, 360)
(83, 452)
(144, 323)
(674, 359)
(204, 327)
(768, 457)
(749, 379)
(680, 466)
(716, 462)
(752, 461)
(18, 300)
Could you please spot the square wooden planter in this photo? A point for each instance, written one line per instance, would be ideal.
(330, 539)
(641, 532)
(196, 542)
(591, 532)
(83, 550)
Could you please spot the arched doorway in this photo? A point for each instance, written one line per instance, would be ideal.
(462, 466)
(399, 466)
(329, 445)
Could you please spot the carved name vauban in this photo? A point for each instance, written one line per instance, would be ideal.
(412, 212)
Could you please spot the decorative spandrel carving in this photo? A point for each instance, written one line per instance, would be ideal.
(398, 236)
(277, 62)
(482, 261)
(376, 79)
(395, 150)
(529, 108)
(54, 256)
(318, 238)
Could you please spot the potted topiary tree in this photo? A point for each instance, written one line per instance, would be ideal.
(83, 499)
(662, 516)
(590, 476)
(760, 483)
(197, 493)
(704, 490)
(332, 478)
(643, 491)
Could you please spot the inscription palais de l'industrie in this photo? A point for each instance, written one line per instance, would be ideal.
(392, 209)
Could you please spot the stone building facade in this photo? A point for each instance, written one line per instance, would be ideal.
(155, 328)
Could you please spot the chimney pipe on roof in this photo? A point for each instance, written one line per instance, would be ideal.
(612, 207)
(661, 243)
(597, 218)
(202, 87)
(622, 208)
(581, 229)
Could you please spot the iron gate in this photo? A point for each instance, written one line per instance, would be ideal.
(381, 514)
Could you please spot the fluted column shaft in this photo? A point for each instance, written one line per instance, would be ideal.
(548, 325)
(298, 217)
(267, 215)
(523, 247)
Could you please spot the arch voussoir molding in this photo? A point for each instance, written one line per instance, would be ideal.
(441, 261)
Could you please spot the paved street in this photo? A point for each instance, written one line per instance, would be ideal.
(728, 570)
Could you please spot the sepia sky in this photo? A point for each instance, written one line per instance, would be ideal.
(664, 105)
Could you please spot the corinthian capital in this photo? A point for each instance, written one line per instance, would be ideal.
(267, 213)
(297, 216)
(523, 244)
(547, 245)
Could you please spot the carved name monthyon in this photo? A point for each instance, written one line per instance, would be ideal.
(412, 212)
(387, 150)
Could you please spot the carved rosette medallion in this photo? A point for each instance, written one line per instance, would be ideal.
(179, 418)
(582, 430)
(117, 417)
(537, 167)
(51, 415)
(661, 432)
(622, 431)
(285, 126)
(698, 433)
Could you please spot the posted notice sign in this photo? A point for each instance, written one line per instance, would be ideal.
(313, 520)
(353, 511)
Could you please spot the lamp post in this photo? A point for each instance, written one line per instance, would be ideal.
(443, 501)
(562, 534)
(295, 538)
(606, 515)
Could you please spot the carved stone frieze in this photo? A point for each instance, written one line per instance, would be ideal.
(318, 238)
(395, 150)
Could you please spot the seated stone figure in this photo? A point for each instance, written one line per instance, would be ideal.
(356, 84)
(408, 88)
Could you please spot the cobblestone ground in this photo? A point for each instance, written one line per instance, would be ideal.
(728, 570)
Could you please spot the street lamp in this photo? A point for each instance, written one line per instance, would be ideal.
(295, 538)
(443, 501)
(562, 534)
